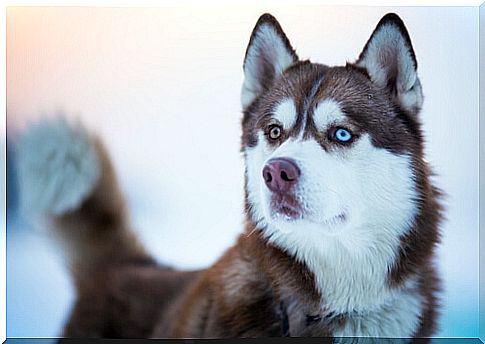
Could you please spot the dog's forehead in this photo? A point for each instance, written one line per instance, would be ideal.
(322, 93)
(344, 84)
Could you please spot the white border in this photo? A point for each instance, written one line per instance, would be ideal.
(3, 159)
(159, 3)
(198, 3)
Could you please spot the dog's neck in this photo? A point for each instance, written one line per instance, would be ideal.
(349, 293)
(350, 273)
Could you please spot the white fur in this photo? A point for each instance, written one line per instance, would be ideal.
(374, 190)
(255, 159)
(326, 113)
(285, 113)
(388, 53)
(399, 317)
(57, 167)
(267, 43)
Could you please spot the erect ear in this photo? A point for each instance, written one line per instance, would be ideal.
(389, 59)
(268, 54)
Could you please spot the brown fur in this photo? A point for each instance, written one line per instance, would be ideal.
(254, 289)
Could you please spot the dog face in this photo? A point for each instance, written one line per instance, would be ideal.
(331, 151)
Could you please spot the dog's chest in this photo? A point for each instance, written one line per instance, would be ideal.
(356, 299)
(361, 303)
(398, 317)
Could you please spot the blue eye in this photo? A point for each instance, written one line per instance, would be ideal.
(343, 135)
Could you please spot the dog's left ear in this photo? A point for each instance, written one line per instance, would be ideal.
(268, 54)
(389, 59)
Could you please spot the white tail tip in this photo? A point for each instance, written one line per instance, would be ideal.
(58, 167)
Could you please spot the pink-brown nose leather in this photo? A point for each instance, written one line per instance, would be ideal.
(280, 174)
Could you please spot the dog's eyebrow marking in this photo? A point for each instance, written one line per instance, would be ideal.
(326, 113)
(306, 104)
(285, 113)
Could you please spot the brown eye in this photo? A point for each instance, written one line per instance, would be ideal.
(274, 132)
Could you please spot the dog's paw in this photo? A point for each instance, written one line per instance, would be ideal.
(58, 167)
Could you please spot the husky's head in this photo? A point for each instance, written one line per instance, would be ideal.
(332, 152)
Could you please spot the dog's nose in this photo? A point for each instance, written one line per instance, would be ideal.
(280, 174)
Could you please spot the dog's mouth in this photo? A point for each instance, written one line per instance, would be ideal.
(289, 208)
(286, 207)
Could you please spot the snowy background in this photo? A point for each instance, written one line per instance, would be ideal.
(161, 86)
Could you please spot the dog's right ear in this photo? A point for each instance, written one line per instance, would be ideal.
(268, 54)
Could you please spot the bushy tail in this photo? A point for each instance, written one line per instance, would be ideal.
(66, 176)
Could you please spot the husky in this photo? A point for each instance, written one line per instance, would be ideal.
(342, 220)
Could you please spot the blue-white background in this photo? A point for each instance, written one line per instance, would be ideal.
(161, 86)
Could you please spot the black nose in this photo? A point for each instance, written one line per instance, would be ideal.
(280, 174)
